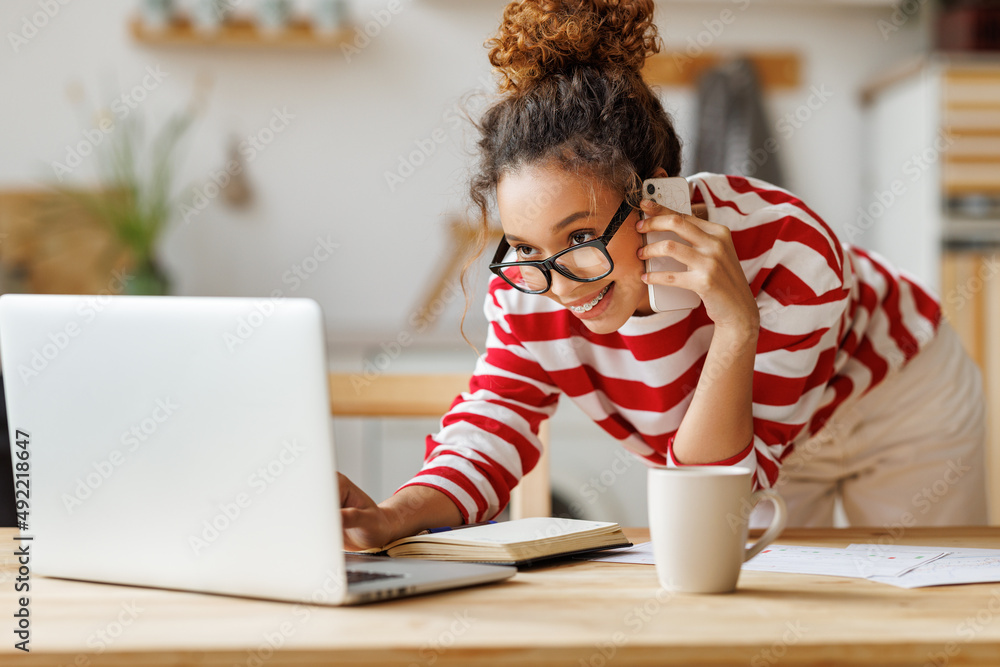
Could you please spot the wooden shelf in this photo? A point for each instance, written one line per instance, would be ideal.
(675, 68)
(423, 395)
(239, 33)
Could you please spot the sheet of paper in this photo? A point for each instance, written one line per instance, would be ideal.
(798, 559)
(878, 551)
(899, 566)
(861, 564)
(641, 553)
(960, 566)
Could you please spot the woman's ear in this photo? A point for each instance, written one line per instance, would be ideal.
(660, 173)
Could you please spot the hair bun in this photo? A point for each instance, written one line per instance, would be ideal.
(538, 37)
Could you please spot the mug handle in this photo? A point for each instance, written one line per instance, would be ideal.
(777, 523)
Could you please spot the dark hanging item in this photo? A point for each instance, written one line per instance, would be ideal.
(734, 136)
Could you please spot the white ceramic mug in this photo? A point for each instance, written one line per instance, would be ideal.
(698, 518)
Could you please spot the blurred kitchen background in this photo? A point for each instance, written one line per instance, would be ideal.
(318, 148)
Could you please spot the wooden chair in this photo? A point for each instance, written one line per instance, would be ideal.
(430, 395)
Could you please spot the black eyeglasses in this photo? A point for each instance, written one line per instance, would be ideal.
(585, 262)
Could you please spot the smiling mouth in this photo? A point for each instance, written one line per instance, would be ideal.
(593, 302)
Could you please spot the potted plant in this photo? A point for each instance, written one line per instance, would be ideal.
(135, 198)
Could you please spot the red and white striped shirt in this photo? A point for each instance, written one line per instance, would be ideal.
(835, 321)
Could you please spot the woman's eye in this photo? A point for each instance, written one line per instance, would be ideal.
(523, 251)
(582, 236)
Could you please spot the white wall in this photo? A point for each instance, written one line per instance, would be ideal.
(324, 174)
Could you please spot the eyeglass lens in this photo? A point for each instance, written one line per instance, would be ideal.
(586, 263)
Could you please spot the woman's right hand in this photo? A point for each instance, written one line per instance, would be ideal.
(370, 525)
(365, 524)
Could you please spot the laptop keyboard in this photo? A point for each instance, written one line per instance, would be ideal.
(358, 576)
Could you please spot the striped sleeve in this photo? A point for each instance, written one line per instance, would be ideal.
(488, 440)
(795, 266)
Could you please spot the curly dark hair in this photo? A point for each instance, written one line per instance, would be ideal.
(573, 97)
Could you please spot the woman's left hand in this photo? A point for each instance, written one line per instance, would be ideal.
(714, 270)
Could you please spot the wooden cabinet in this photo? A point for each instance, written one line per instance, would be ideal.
(932, 195)
(970, 282)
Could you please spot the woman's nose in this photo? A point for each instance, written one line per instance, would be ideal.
(561, 285)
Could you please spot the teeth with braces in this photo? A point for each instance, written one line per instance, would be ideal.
(590, 304)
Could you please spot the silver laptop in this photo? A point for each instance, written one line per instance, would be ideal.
(185, 443)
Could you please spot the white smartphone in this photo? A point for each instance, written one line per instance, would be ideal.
(674, 194)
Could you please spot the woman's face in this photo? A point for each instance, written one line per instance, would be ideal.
(544, 210)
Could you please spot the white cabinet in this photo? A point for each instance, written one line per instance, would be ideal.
(897, 216)
(932, 200)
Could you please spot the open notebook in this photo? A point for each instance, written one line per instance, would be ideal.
(518, 542)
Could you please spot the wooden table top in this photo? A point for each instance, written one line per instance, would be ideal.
(572, 613)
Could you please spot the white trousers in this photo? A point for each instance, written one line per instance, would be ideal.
(911, 452)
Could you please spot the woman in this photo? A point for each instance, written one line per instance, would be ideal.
(811, 362)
